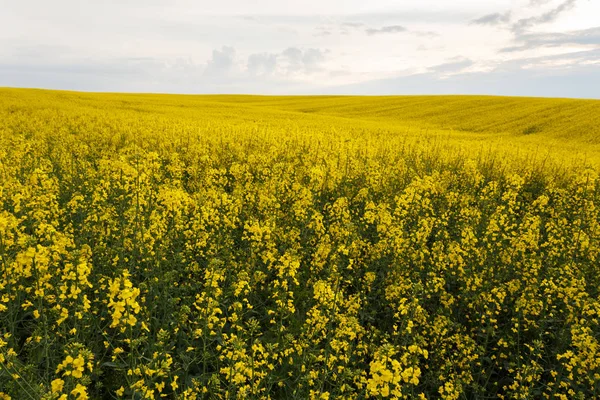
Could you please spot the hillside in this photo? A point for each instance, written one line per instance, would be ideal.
(564, 118)
(569, 127)
(574, 119)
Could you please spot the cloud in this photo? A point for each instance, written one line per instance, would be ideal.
(454, 66)
(262, 64)
(352, 25)
(303, 60)
(526, 23)
(294, 55)
(313, 57)
(323, 33)
(399, 29)
(538, 2)
(436, 48)
(529, 77)
(550, 16)
(386, 29)
(118, 67)
(178, 48)
(566, 75)
(289, 71)
(562, 62)
(348, 27)
(293, 62)
(532, 40)
(401, 14)
(493, 19)
(427, 34)
(133, 74)
(221, 63)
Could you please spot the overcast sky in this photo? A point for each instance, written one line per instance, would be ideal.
(509, 47)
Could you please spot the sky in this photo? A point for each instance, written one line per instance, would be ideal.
(498, 47)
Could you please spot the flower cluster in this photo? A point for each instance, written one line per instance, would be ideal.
(122, 301)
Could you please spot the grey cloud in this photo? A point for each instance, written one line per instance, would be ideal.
(531, 40)
(323, 33)
(352, 25)
(222, 61)
(456, 65)
(292, 60)
(538, 2)
(307, 60)
(578, 57)
(313, 57)
(493, 19)
(153, 75)
(219, 75)
(346, 28)
(262, 64)
(428, 34)
(367, 19)
(550, 16)
(117, 74)
(508, 79)
(431, 15)
(386, 29)
(293, 55)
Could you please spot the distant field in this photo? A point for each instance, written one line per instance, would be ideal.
(560, 118)
(566, 127)
(298, 247)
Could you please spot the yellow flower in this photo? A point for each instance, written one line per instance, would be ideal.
(57, 385)
(78, 365)
(174, 384)
(80, 391)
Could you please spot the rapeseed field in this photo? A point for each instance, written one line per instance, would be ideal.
(221, 247)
